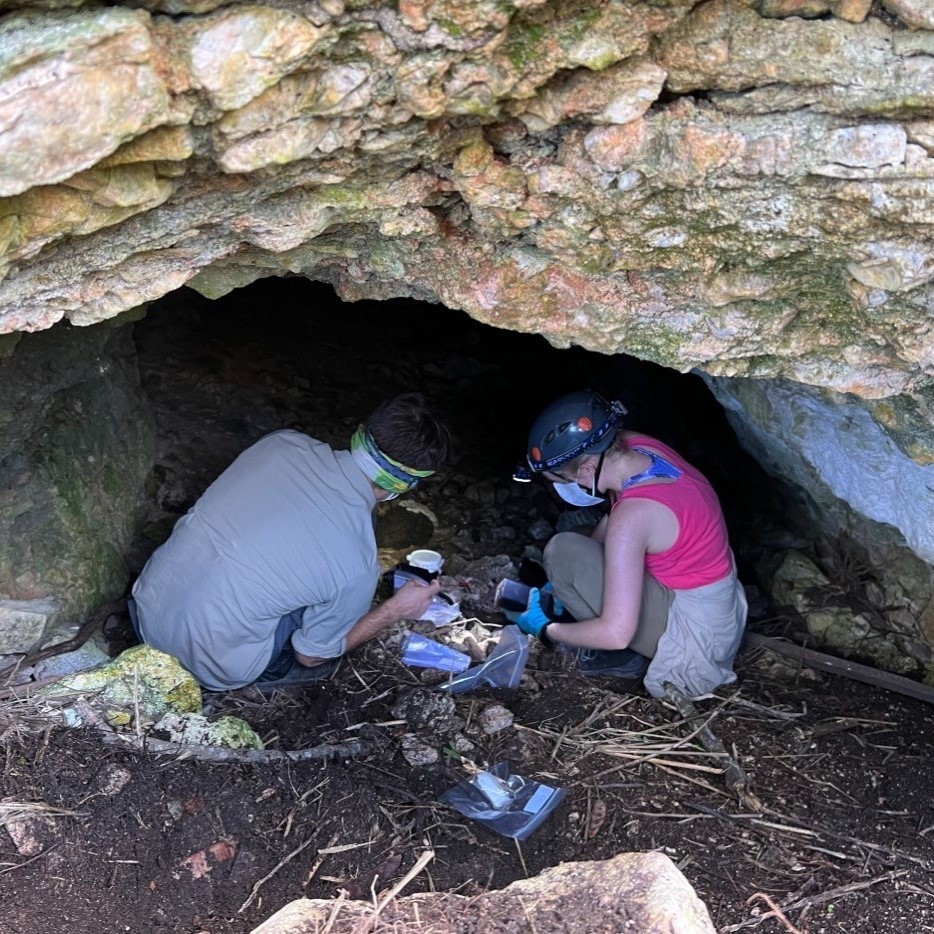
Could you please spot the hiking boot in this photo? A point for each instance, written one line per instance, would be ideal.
(618, 663)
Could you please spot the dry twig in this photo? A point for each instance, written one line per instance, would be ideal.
(776, 912)
(255, 890)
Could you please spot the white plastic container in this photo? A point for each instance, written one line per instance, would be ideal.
(426, 560)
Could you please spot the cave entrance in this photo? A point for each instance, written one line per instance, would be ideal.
(190, 845)
(288, 353)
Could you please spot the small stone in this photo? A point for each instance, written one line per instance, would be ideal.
(204, 861)
(425, 709)
(541, 529)
(88, 656)
(416, 752)
(482, 493)
(461, 744)
(495, 718)
(31, 834)
(175, 809)
(113, 780)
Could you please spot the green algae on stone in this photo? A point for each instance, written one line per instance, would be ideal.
(140, 678)
(193, 729)
(523, 44)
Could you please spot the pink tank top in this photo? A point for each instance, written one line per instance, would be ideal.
(701, 553)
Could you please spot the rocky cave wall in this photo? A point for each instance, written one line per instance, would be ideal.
(76, 446)
(744, 188)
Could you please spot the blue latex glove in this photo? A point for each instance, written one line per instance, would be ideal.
(534, 619)
(557, 607)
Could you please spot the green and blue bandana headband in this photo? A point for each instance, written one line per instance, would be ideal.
(379, 468)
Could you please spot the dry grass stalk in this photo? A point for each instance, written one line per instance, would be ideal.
(12, 810)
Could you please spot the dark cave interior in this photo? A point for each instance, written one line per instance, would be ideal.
(287, 352)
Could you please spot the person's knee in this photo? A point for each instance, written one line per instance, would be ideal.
(558, 552)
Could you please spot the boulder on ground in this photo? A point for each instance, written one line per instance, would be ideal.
(642, 892)
(140, 679)
(193, 729)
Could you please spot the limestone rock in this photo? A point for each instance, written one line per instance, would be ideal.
(853, 11)
(112, 780)
(238, 53)
(417, 752)
(643, 892)
(31, 833)
(618, 95)
(140, 678)
(73, 87)
(494, 719)
(90, 655)
(74, 482)
(425, 709)
(24, 622)
(919, 14)
(874, 503)
(799, 583)
(195, 729)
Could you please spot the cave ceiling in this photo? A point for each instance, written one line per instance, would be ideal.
(745, 188)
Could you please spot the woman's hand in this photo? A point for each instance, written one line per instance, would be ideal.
(413, 599)
(533, 619)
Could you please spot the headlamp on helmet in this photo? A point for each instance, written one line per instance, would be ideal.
(578, 423)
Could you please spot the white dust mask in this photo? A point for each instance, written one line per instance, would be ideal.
(572, 493)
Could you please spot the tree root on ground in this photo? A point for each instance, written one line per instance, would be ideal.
(733, 775)
(142, 743)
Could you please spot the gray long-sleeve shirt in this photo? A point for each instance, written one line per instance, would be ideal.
(289, 524)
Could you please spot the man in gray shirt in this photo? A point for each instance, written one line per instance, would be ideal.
(272, 572)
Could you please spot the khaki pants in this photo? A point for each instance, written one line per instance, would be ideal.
(692, 636)
(574, 564)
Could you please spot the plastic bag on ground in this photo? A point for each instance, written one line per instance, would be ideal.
(421, 652)
(502, 669)
(507, 803)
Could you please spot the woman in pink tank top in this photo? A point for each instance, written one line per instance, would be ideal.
(652, 592)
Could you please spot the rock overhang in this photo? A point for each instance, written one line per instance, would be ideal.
(724, 186)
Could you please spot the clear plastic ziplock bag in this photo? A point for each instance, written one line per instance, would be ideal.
(507, 803)
(421, 652)
(442, 611)
(502, 669)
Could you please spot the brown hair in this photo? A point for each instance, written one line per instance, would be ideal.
(407, 430)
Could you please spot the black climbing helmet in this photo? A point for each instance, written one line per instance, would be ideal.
(578, 423)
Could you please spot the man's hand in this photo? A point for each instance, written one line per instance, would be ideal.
(413, 599)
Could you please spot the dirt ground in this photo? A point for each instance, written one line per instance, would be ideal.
(838, 836)
(841, 841)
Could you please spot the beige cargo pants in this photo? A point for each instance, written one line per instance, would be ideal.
(692, 636)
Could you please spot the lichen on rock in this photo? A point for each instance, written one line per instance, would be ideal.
(188, 729)
(141, 680)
